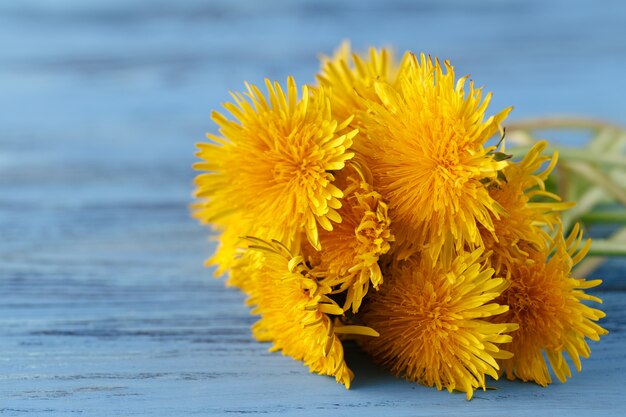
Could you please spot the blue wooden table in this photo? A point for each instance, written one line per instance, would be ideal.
(105, 307)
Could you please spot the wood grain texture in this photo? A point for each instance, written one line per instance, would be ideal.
(106, 308)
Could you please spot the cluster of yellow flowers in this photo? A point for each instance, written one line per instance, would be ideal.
(372, 207)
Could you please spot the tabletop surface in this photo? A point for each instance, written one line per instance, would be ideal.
(106, 308)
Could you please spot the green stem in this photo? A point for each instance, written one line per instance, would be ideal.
(606, 247)
(599, 178)
(575, 154)
(591, 263)
(562, 122)
(604, 217)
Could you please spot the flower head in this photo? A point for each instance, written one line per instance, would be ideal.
(351, 77)
(529, 210)
(431, 321)
(272, 167)
(549, 306)
(296, 312)
(350, 253)
(424, 140)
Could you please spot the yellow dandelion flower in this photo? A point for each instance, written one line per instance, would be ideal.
(425, 145)
(349, 255)
(297, 312)
(548, 304)
(530, 210)
(272, 167)
(432, 326)
(293, 307)
(351, 78)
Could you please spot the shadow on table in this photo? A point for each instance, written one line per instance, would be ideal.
(369, 372)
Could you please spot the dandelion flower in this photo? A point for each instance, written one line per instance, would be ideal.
(530, 210)
(272, 167)
(297, 313)
(548, 304)
(432, 326)
(425, 145)
(351, 77)
(350, 253)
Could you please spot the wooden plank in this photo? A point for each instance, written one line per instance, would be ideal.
(180, 345)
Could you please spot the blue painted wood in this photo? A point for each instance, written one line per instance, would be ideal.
(106, 308)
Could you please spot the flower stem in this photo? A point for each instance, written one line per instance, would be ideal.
(604, 217)
(607, 247)
(562, 122)
(575, 154)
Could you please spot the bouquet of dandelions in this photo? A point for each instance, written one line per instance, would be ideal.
(373, 207)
